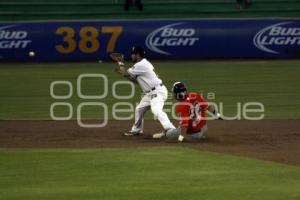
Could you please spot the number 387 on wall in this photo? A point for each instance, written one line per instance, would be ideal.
(88, 39)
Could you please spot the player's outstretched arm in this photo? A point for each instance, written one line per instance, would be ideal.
(119, 58)
(121, 69)
(212, 109)
(182, 133)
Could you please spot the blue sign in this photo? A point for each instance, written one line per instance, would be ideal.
(162, 39)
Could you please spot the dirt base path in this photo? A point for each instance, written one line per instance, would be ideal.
(274, 140)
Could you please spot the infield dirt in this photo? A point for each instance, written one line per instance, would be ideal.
(272, 140)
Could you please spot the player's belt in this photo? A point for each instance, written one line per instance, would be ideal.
(152, 89)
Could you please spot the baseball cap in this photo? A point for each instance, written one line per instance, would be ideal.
(138, 50)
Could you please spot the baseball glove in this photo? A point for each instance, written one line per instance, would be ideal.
(118, 57)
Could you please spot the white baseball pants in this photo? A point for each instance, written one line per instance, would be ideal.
(153, 100)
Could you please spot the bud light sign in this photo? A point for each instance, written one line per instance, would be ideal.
(161, 39)
(276, 38)
(13, 39)
(170, 36)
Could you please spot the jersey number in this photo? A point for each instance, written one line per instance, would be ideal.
(195, 114)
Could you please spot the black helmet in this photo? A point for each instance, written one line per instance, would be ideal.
(138, 50)
(179, 91)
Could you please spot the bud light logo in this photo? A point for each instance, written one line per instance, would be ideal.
(170, 36)
(13, 39)
(272, 38)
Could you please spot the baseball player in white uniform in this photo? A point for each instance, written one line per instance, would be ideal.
(155, 93)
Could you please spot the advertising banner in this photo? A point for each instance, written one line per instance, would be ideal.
(161, 39)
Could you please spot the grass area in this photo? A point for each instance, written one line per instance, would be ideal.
(25, 93)
(142, 173)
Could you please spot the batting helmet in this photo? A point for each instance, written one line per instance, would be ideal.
(179, 91)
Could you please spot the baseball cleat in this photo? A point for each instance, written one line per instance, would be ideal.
(159, 135)
(133, 133)
(173, 133)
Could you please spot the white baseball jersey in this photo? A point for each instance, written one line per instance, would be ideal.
(143, 72)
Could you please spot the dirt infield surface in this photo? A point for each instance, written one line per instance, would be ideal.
(274, 140)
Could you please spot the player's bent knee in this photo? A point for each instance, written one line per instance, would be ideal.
(173, 133)
(195, 136)
(140, 109)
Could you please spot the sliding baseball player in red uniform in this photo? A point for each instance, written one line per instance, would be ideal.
(191, 112)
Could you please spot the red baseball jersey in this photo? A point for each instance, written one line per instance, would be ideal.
(192, 112)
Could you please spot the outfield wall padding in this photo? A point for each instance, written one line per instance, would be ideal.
(162, 39)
